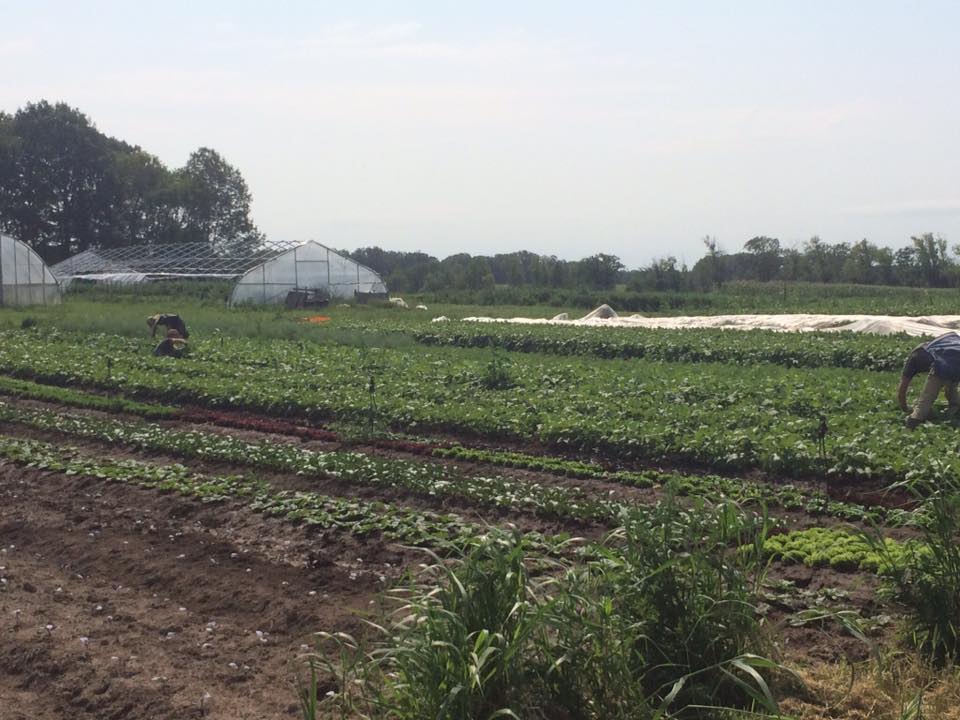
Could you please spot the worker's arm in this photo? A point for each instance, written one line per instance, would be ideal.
(902, 393)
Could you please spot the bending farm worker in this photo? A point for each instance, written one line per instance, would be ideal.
(940, 359)
(170, 322)
(171, 346)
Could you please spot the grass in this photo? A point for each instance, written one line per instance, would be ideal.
(658, 623)
(903, 687)
(927, 579)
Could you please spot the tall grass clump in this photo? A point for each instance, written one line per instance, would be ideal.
(664, 615)
(927, 579)
(458, 646)
(655, 622)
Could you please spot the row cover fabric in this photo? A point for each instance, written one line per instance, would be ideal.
(24, 278)
(310, 266)
(604, 316)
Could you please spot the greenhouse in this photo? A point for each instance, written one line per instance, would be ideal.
(308, 267)
(272, 272)
(24, 278)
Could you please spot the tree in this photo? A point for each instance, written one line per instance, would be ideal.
(147, 208)
(600, 270)
(478, 274)
(714, 260)
(665, 274)
(816, 254)
(931, 254)
(56, 190)
(794, 265)
(766, 253)
(859, 264)
(216, 203)
(905, 266)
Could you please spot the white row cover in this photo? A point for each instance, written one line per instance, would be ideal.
(310, 266)
(925, 326)
(24, 277)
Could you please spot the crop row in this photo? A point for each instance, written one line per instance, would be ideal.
(443, 481)
(442, 532)
(79, 398)
(711, 487)
(715, 415)
(393, 522)
(823, 349)
(714, 488)
(427, 479)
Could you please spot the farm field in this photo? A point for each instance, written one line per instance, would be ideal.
(583, 525)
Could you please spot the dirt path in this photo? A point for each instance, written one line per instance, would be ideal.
(118, 602)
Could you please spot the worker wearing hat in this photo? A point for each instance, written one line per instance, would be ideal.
(940, 360)
(171, 322)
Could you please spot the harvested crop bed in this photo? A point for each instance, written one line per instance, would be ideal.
(125, 603)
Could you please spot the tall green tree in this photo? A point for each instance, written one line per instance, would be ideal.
(931, 254)
(148, 206)
(216, 203)
(600, 270)
(766, 253)
(57, 192)
(714, 261)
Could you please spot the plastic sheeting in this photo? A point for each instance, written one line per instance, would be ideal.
(310, 266)
(24, 277)
(128, 278)
(929, 325)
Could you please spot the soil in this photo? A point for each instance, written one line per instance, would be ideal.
(176, 599)
(120, 602)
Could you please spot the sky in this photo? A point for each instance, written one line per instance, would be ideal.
(563, 128)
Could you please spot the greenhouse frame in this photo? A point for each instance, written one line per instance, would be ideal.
(265, 274)
(24, 278)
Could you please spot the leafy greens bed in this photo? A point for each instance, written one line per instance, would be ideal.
(714, 415)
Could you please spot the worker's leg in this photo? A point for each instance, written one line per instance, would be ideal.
(953, 400)
(924, 406)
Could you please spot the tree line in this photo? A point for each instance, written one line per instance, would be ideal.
(66, 187)
(925, 262)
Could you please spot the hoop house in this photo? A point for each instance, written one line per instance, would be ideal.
(24, 278)
(310, 266)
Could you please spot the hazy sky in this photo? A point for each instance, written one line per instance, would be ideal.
(565, 128)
